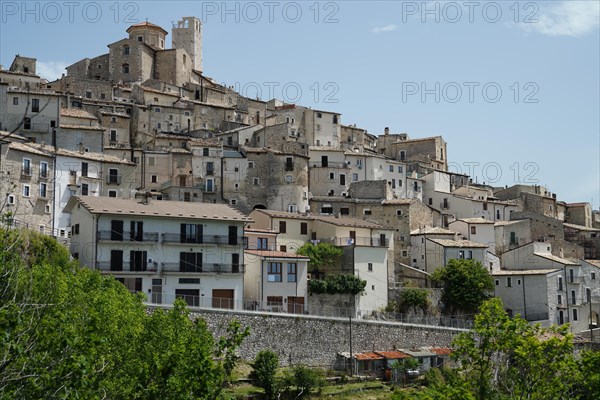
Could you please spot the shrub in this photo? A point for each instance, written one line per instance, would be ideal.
(414, 297)
(264, 369)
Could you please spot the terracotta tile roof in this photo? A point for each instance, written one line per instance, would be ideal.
(441, 351)
(284, 214)
(146, 24)
(368, 356)
(147, 89)
(428, 230)
(158, 208)
(593, 262)
(353, 222)
(276, 254)
(49, 151)
(76, 113)
(581, 227)
(399, 201)
(554, 258)
(476, 220)
(504, 272)
(393, 355)
(204, 143)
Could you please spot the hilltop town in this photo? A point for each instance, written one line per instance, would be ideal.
(152, 172)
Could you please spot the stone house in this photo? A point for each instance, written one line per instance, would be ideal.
(478, 230)
(420, 155)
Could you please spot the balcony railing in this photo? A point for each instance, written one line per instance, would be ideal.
(107, 266)
(204, 268)
(574, 279)
(330, 164)
(359, 241)
(26, 172)
(204, 239)
(127, 237)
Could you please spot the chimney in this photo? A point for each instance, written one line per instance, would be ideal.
(386, 131)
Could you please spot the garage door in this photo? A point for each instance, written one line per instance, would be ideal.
(222, 298)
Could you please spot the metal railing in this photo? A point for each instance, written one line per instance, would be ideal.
(358, 241)
(204, 239)
(217, 268)
(114, 179)
(330, 164)
(126, 266)
(128, 237)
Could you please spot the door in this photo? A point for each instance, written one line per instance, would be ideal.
(561, 317)
(222, 298)
(136, 231)
(295, 305)
(324, 161)
(233, 236)
(138, 260)
(352, 237)
(116, 230)
(157, 291)
(190, 296)
(116, 260)
(343, 179)
(235, 263)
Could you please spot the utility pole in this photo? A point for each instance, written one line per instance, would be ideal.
(351, 363)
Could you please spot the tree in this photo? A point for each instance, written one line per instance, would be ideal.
(466, 285)
(413, 297)
(322, 255)
(264, 370)
(304, 380)
(69, 332)
(337, 284)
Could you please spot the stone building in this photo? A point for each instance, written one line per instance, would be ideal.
(579, 214)
(421, 155)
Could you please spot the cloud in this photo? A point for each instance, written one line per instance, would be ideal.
(386, 28)
(51, 70)
(569, 18)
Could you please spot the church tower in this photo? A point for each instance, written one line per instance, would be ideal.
(187, 34)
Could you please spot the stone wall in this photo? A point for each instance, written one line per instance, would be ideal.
(315, 340)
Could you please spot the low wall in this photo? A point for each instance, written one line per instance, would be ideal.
(315, 340)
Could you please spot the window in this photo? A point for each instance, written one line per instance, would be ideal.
(344, 211)
(210, 168)
(560, 283)
(157, 109)
(113, 135)
(125, 68)
(402, 238)
(15, 101)
(575, 314)
(354, 177)
(250, 164)
(274, 272)
(593, 275)
(367, 212)
(509, 282)
(85, 189)
(398, 213)
(469, 254)
(10, 199)
(461, 254)
(370, 267)
(154, 178)
(485, 206)
(332, 175)
(262, 244)
(112, 193)
(233, 202)
(588, 295)
(84, 169)
(43, 169)
(473, 230)
(205, 151)
(35, 105)
(559, 297)
(27, 123)
(88, 94)
(43, 190)
(391, 168)
(26, 190)
(151, 161)
(573, 297)
(26, 166)
(191, 233)
(289, 179)
(256, 181)
(210, 185)
(303, 228)
(113, 176)
(292, 271)
(125, 50)
(289, 163)
(282, 227)
(190, 262)
(402, 155)
(283, 249)
(404, 253)
(399, 169)
(275, 301)
(497, 282)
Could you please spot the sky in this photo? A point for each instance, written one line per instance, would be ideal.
(513, 87)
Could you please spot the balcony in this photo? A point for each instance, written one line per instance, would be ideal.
(106, 266)
(114, 179)
(204, 239)
(331, 164)
(205, 268)
(575, 280)
(25, 172)
(359, 241)
(148, 237)
(444, 206)
(43, 175)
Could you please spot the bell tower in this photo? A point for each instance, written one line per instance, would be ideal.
(187, 34)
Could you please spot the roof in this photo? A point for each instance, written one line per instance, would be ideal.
(146, 24)
(475, 220)
(115, 114)
(394, 354)
(169, 209)
(503, 223)
(441, 351)
(276, 254)
(147, 89)
(367, 356)
(81, 127)
(419, 353)
(399, 201)
(580, 204)
(428, 230)
(581, 227)
(204, 143)
(595, 263)
(76, 113)
(458, 243)
(556, 259)
(49, 151)
(261, 230)
(284, 214)
(504, 272)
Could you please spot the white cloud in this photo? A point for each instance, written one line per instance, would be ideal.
(386, 28)
(51, 70)
(569, 18)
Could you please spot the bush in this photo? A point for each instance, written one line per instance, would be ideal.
(263, 373)
(300, 381)
(414, 297)
(337, 284)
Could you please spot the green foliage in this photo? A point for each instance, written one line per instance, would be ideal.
(589, 374)
(322, 255)
(405, 364)
(301, 381)
(337, 284)
(69, 332)
(414, 297)
(467, 284)
(264, 370)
